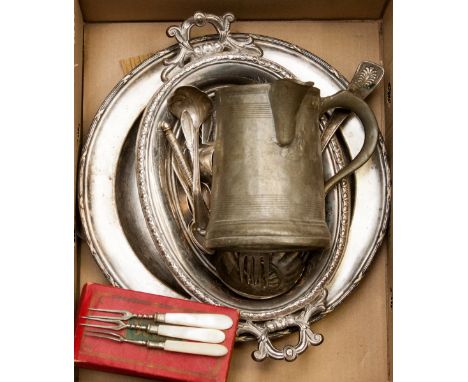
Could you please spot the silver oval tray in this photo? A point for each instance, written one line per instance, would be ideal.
(188, 265)
(113, 221)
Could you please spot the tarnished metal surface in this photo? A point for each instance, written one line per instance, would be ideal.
(189, 266)
(110, 208)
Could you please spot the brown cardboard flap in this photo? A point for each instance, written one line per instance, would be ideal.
(130, 63)
(168, 10)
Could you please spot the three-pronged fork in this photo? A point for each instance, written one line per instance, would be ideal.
(213, 350)
(199, 320)
(184, 332)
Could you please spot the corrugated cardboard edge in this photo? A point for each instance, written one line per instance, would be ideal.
(387, 46)
(171, 10)
(78, 102)
(78, 99)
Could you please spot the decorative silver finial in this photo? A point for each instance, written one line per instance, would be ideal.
(189, 53)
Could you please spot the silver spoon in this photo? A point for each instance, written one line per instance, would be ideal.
(193, 107)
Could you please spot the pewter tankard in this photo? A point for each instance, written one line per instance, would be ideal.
(268, 189)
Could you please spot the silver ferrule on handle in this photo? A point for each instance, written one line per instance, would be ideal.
(153, 328)
(155, 345)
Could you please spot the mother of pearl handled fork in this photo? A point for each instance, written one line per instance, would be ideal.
(185, 332)
(213, 350)
(199, 320)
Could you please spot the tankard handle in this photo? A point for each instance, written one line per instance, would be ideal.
(346, 100)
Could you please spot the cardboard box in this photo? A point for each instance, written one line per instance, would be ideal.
(357, 345)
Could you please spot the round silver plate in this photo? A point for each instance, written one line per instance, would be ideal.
(111, 213)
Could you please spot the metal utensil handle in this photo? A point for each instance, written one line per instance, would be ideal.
(200, 212)
(347, 100)
(179, 156)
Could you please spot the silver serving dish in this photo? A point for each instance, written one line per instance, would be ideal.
(115, 226)
(189, 265)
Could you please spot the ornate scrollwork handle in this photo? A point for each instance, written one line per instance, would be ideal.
(188, 52)
(306, 336)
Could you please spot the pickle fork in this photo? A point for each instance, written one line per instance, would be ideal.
(213, 350)
(199, 320)
(184, 332)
